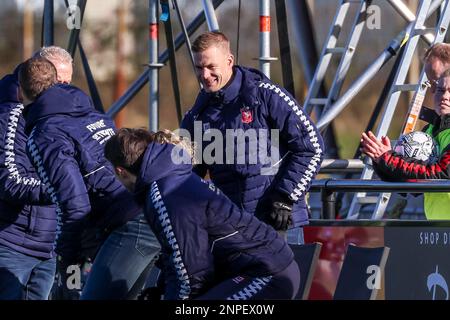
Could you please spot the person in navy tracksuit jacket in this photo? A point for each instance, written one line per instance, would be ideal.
(66, 144)
(211, 249)
(27, 218)
(258, 117)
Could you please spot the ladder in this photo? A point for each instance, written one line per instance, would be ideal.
(414, 31)
(423, 83)
(330, 49)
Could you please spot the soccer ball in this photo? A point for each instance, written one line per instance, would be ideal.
(417, 145)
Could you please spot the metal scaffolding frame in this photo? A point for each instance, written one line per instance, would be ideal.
(156, 61)
(391, 50)
(47, 24)
(335, 103)
(414, 110)
(142, 80)
(395, 90)
(303, 32)
(330, 49)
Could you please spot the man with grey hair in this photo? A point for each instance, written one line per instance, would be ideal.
(83, 186)
(63, 63)
(61, 59)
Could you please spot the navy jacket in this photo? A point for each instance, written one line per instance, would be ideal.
(205, 238)
(66, 145)
(24, 226)
(252, 101)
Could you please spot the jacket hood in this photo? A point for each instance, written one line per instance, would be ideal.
(161, 161)
(9, 89)
(59, 99)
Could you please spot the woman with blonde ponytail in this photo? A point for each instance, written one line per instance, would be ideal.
(211, 249)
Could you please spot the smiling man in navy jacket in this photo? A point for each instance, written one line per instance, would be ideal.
(245, 103)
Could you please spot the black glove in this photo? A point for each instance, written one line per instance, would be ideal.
(280, 216)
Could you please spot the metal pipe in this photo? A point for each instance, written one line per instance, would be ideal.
(238, 32)
(75, 32)
(409, 16)
(28, 30)
(264, 37)
(357, 85)
(378, 223)
(349, 165)
(284, 44)
(140, 82)
(307, 53)
(358, 185)
(341, 172)
(93, 90)
(47, 34)
(328, 204)
(403, 10)
(172, 57)
(153, 73)
(210, 15)
(186, 37)
(304, 38)
(120, 81)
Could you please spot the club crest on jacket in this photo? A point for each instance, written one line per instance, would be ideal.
(246, 115)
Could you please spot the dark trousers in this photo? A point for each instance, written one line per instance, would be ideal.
(282, 285)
